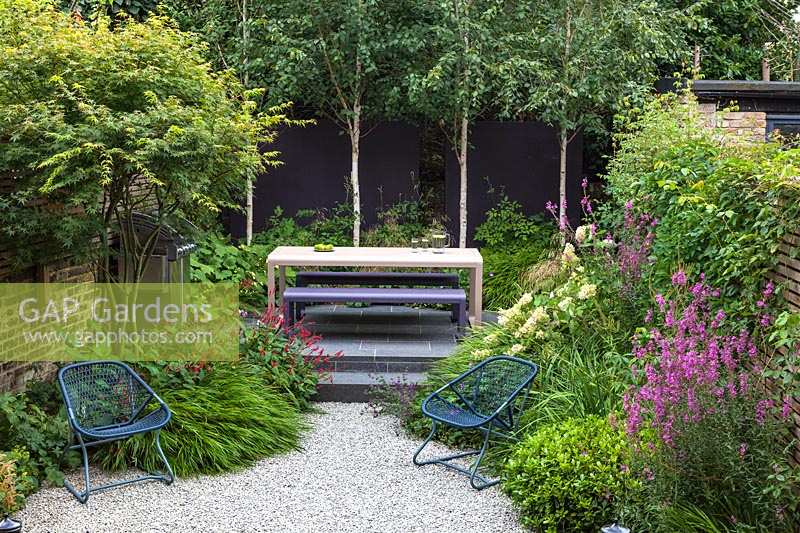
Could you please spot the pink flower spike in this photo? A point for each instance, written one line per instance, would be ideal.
(679, 278)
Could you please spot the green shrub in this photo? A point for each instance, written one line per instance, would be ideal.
(283, 230)
(16, 481)
(504, 270)
(567, 476)
(512, 244)
(218, 260)
(507, 228)
(227, 421)
(330, 226)
(398, 224)
(722, 208)
(45, 436)
(290, 356)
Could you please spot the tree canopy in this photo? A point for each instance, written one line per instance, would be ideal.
(97, 123)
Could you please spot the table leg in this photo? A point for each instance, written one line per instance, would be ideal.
(270, 288)
(281, 284)
(475, 295)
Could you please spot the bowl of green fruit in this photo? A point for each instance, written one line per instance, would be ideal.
(323, 247)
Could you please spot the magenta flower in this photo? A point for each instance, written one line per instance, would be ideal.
(691, 368)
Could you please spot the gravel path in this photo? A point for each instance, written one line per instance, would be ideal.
(354, 475)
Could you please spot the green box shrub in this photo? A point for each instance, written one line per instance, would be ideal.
(567, 476)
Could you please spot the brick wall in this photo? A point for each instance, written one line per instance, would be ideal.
(746, 126)
(14, 375)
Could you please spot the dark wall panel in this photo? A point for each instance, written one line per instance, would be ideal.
(521, 158)
(316, 163)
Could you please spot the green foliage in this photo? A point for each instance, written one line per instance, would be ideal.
(226, 422)
(101, 122)
(507, 228)
(332, 226)
(569, 62)
(15, 480)
(289, 358)
(730, 467)
(452, 81)
(732, 34)
(45, 436)
(722, 208)
(398, 224)
(513, 243)
(504, 271)
(218, 260)
(566, 476)
(90, 9)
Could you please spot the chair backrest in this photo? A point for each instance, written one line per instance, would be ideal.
(494, 381)
(102, 393)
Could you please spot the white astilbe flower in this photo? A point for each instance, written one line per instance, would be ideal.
(587, 291)
(568, 256)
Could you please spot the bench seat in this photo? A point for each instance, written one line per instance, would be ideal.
(293, 296)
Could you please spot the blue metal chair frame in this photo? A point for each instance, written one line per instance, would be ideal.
(484, 398)
(107, 401)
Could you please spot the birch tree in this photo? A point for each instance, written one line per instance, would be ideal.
(453, 86)
(567, 62)
(331, 56)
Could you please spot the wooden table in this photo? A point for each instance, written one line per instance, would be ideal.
(304, 256)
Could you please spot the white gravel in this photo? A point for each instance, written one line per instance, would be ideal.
(354, 475)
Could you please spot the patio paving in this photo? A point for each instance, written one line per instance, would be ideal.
(379, 343)
(354, 474)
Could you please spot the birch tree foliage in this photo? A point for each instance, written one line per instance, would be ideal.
(332, 57)
(568, 62)
(453, 87)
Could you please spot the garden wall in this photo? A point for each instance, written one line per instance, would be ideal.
(316, 163)
(518, 158)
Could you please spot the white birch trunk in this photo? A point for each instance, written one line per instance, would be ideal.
(355, 138)
(246, 80)
(562, 185)
(462, 198)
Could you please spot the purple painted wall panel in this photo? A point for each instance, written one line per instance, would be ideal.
(520, 157)
(316, 163)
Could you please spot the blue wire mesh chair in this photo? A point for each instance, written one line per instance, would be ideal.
(485, 398)
(107, 401)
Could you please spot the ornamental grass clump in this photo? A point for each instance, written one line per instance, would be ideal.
(707, 437)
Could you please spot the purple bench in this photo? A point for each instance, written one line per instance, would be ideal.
(294, 296)
(375, 279)
(395, 279)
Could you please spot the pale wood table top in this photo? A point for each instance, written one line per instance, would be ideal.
(376, 256)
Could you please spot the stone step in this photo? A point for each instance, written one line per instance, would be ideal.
(350, 362)
(352, 387)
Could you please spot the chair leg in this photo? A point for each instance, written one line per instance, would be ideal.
(481, 483)
(484, 483)
(82, 497)
(169, 478)
(419, 450)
